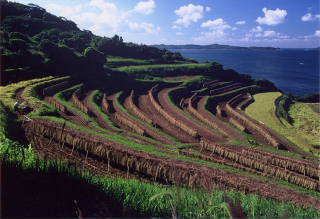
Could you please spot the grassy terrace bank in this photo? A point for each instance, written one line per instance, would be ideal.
(153, 199)
(149, 149)
(166, 70)
(61, 94)
(116, 61)
(304, 132)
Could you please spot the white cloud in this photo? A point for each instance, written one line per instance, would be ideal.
(272, 17)
(306, 17)
(179, 33)
(256, 29)
(269, 33)
(240, 22)
(105, 18)
(68, 12)
(310, 17)
(210, 36)
(145, 7)
(109, 18)
(258, 32)
(189, 13)
(208, 9)
(217, 24)
(217, 29)
(105, 21)
(280, 36)
(144, 27)
(317, 33)
(103, 5)
(176, 27)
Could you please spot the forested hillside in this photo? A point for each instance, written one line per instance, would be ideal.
(32, 41)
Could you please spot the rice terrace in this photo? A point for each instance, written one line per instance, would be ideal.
(132, 130)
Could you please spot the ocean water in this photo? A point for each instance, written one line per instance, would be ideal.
(294, 71)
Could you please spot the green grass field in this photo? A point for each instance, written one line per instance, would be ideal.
(305, 120)
(114, 62)
(142, 68)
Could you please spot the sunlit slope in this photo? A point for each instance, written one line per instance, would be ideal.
(305, 129)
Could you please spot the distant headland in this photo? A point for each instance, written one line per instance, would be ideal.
(212, 46)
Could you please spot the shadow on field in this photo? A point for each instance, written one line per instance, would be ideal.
(29, 193)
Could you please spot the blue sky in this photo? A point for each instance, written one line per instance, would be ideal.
(279, 23)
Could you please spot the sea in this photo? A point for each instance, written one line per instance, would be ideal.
(294, 71)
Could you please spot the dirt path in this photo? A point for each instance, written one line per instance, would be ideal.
(233, 134)
(152, 133)
(163, 97)
(211, 175)
(146, 106)
(225, 89)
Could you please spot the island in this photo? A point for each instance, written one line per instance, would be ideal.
(212, 46)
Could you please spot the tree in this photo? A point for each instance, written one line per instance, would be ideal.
(18, 45)
(216, 66)
(51, 34)
(94, 56)
(48, 47)
(18, 35)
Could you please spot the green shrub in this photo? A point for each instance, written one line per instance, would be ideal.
(18, 35)
(4, 121)
(309, 98)
(18, 45)
(94, 56)
(282, 107)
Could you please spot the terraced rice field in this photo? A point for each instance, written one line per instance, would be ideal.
(304, 132)
(167, 133)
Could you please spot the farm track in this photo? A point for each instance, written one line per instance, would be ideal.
(218, 84)
(72, 116)
(237, 165)
(229, 163)
(201, 108)
(304, 175)
(147, 107)
(225, 89)
(180, 172)
(56, 151)
(100, 152)
(160, 146)
(152, 133)
(163, 97)
(222, 114)
(100, 119)
(208, 155)
(210, 83)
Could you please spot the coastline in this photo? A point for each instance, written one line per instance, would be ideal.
(298, 66)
